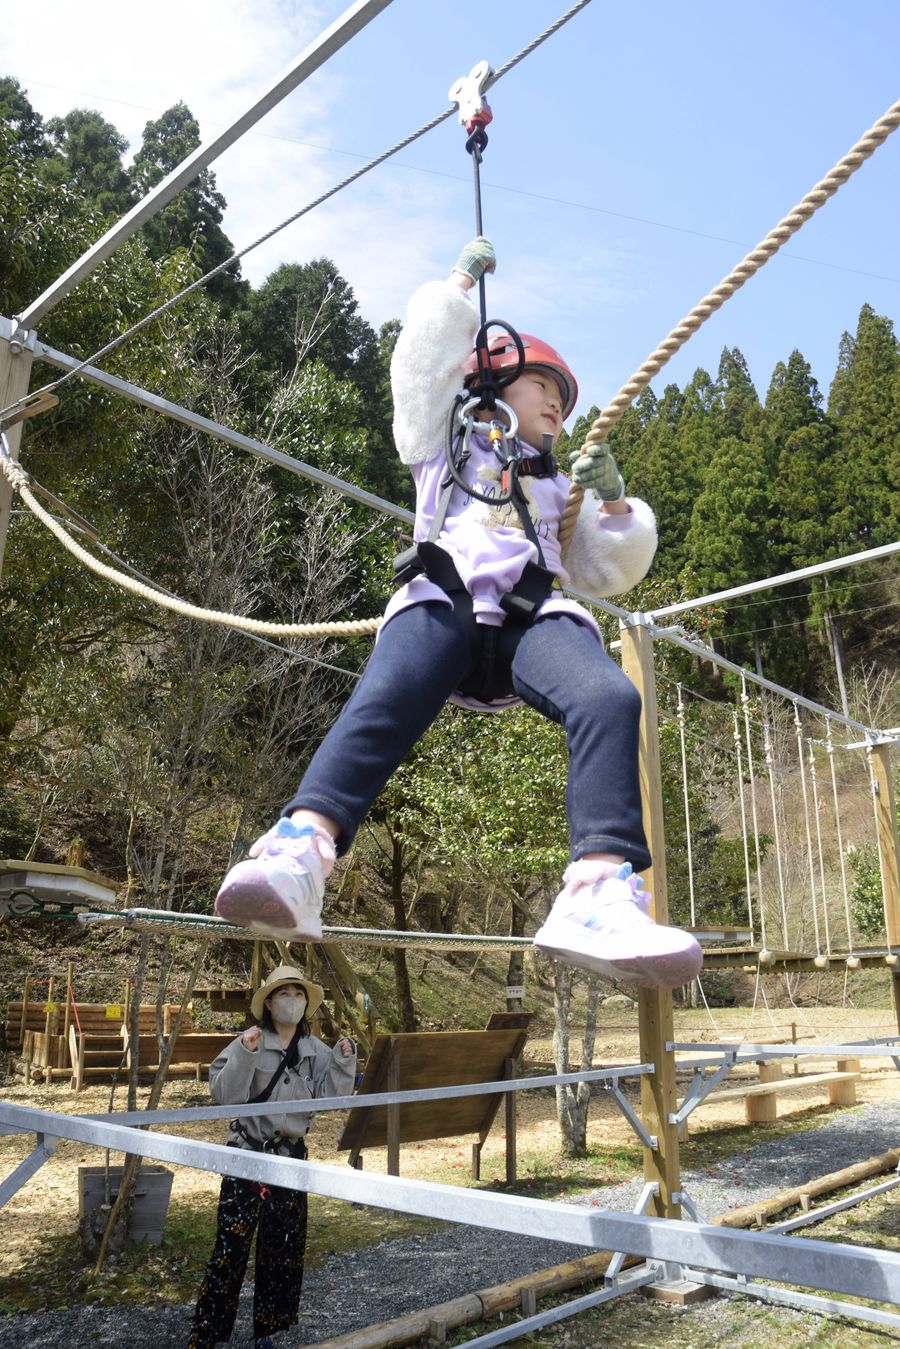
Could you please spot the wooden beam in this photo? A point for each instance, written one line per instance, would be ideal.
(16, 358)
(889, 850)
(655, 1009)
(393, 1114)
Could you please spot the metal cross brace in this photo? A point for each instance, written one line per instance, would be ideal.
(701, 1087)
(789, 1297)
(615, 1091)
(650, 1191)
(44, 1149)
(648, 1273)
(684, 1199)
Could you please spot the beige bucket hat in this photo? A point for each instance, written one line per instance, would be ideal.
(287, 974)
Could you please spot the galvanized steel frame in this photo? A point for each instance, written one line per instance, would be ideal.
(835, 1267)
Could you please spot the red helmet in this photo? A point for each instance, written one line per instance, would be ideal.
(503, 355)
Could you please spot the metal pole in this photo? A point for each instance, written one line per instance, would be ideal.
(166, 408)
(819, 569)
(352, 21)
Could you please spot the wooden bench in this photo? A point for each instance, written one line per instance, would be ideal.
(761, 1098)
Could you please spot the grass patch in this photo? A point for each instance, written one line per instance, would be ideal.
(149, 1275)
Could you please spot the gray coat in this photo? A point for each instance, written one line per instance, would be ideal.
(239, 1073)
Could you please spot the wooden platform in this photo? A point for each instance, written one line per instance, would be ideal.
(69, 887)
(752, 958)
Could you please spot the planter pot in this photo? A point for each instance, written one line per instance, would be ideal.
(148, 1210)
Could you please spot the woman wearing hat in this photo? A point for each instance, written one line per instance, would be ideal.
(277, 1060)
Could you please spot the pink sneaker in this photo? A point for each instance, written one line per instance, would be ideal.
(278, 891)
(600, 922)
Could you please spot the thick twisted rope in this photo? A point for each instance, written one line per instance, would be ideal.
(19, 480)
(754, 260)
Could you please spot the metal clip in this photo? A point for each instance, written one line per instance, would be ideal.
(466, 418)
(468, 94)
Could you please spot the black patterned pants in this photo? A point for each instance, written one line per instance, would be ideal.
(280, 1215)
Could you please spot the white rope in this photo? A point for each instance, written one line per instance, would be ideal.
(799, 1010)
(829, 744)
(821, 851)
(744, 839)
(776, 827)
(745, 702)
(716, 1027)
(18, 479)
(687, 812)
(775, 1025)
(798, 729)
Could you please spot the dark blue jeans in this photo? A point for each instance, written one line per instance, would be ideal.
(559, 668)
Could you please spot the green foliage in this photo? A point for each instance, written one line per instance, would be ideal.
(86, 154)
(193, 220)
(866, 894)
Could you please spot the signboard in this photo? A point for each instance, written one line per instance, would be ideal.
(515, 990)
(114, 1011)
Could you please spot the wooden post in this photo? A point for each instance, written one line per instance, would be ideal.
(16, 358)
(889, 849)
(511, 1067)
(50, 1005)
(763, 1109)
(658, 1097)
(23, 1021)
(393, 1114)
(844, 1093)
(67, 1016)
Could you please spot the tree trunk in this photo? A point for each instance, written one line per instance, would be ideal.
(572, 1102)
(398, 954)
(836, 632)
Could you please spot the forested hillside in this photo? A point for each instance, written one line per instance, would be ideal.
(155, 749)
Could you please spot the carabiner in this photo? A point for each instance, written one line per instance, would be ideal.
(466, 420)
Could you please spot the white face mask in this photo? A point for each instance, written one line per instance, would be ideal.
(288, 1008)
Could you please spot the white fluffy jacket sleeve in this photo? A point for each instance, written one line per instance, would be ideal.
(426, 367)
(609, 554)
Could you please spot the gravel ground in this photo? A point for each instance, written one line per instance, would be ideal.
(397, 1277)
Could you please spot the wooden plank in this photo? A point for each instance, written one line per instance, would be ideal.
(777, 1088)
(393, 1114)
(432, 1059)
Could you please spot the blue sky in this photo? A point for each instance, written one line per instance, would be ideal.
(633, 159)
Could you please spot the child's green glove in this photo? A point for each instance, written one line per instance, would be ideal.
(477, 258)
(596, 470)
